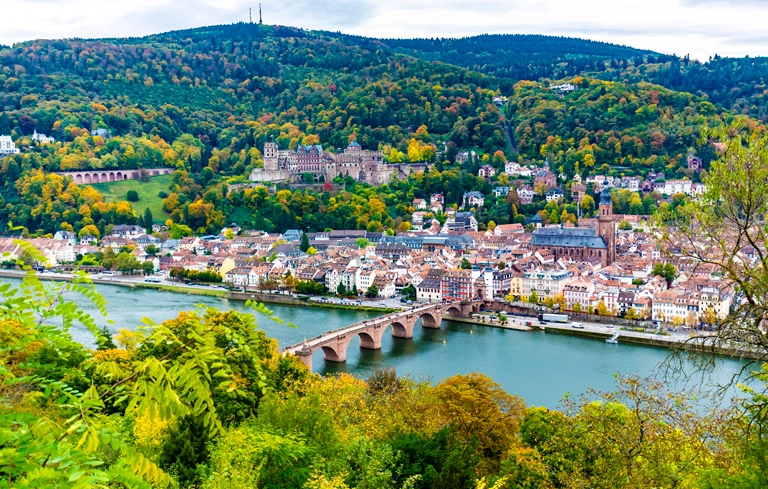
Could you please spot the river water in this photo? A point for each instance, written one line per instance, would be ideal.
(539, 367)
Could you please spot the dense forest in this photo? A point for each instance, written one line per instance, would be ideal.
(205, 400)
(609, 125)
(204, 101)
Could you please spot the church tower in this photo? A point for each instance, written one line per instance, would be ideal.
(605, 227)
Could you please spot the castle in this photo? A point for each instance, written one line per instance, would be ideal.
(362, 165)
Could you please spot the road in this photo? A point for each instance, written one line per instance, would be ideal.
(605, 329)
(128, 280)
(388, 303)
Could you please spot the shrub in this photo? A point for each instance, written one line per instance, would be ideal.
(133, 196)
(162, 194)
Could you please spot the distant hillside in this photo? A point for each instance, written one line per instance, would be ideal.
(520, 56)
(607, 126)
(205, 101)
(737, 84)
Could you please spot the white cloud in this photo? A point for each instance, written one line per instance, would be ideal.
(697, 27)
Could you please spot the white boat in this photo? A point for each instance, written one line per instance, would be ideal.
(614, 340)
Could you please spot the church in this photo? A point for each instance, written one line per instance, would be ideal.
(581, 244)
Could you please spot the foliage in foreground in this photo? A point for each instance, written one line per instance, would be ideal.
(205, 400)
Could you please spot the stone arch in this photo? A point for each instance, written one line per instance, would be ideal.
(402, 330)
(78, 178)
(155, 173)
(87, 178)
(331, 355)
(431, 320)
(111, 176)
(369, 341)
(454, 311)
(119, 175)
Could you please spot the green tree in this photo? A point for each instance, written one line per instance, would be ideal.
(624, 225)
(148, 267)
(304, 246)
(666, 270)
(465, 264)
(362, 242)
(341, 289)
(126, 263)
(148, 220)
(533, 298)
(179, 231)
(372, 292)
(409, 292)
(133, 196)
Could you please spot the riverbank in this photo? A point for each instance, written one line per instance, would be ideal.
(649, 339)
(291, 300)
(137, 283)
(508, 325)
(122, 282)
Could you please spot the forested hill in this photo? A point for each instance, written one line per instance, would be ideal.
(609, 126)
(521, 56)
(212, 81)
(737, 84)
(205, 100)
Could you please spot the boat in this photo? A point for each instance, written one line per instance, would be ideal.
(614, 340)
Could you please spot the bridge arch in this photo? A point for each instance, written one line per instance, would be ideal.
(431, 320)
(401, 329)
(330, 354)
(111, 176)
(78, 178)
(453, 311)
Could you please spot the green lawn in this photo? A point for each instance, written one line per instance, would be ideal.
(116, 191)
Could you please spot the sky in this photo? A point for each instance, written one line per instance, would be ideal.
(700, 28)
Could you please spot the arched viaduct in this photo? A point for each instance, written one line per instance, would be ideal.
(104, 176)
(334, 343)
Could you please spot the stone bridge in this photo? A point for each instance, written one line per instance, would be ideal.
(103, 176)
(371, 331)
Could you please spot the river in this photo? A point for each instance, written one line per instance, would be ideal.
(539, 367)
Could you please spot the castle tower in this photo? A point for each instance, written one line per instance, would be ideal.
(605, 226)
(270, 156)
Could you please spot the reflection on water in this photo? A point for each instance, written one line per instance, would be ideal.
(539, 367)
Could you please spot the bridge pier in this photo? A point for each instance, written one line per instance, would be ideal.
(432, 320)
(371, 341)
(305, 355)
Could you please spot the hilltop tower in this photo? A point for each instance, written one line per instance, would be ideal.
(605, 227)
(271, 159)
(260, 14)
